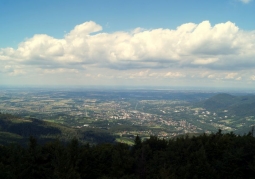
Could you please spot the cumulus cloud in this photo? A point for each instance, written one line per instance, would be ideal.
(231, 75)
(189, 46)
(59, 70)
(174, 74)
(252, 77)
(205, 61)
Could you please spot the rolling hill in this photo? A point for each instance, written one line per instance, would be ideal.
(18, 130)
(235, 105)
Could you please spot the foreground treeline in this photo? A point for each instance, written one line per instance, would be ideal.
(207, 156)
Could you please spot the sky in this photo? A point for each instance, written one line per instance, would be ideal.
(194, 43)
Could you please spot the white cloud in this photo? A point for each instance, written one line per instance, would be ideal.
(252, 77)
(245, 1)
(178, 52)
(205, 61)
(190, 44)
(59, 70)
(230, 75)
(174, 75)
(211, 76)
(16, 72)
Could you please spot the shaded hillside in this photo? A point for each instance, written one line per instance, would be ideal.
(243, 109)
(18, 130)
(220, 101)
(235, 105)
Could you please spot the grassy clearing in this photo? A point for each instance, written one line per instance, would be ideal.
(8, 135)
(227, 121)
(125, 140)
(156, 127)
(17, 121)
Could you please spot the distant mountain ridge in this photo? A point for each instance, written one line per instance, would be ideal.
(236, 105)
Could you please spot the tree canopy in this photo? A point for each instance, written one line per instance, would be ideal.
(216, 155)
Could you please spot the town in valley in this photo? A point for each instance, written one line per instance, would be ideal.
(125, 113)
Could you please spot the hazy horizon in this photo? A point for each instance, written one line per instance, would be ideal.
(127, 88)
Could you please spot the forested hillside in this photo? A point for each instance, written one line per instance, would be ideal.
(207, 156)
(235, 105)
(14, 129)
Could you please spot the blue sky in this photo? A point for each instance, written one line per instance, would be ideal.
(23, 19)
(136, 42)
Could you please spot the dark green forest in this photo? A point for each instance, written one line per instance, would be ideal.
(216, 155)
(14, 129)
